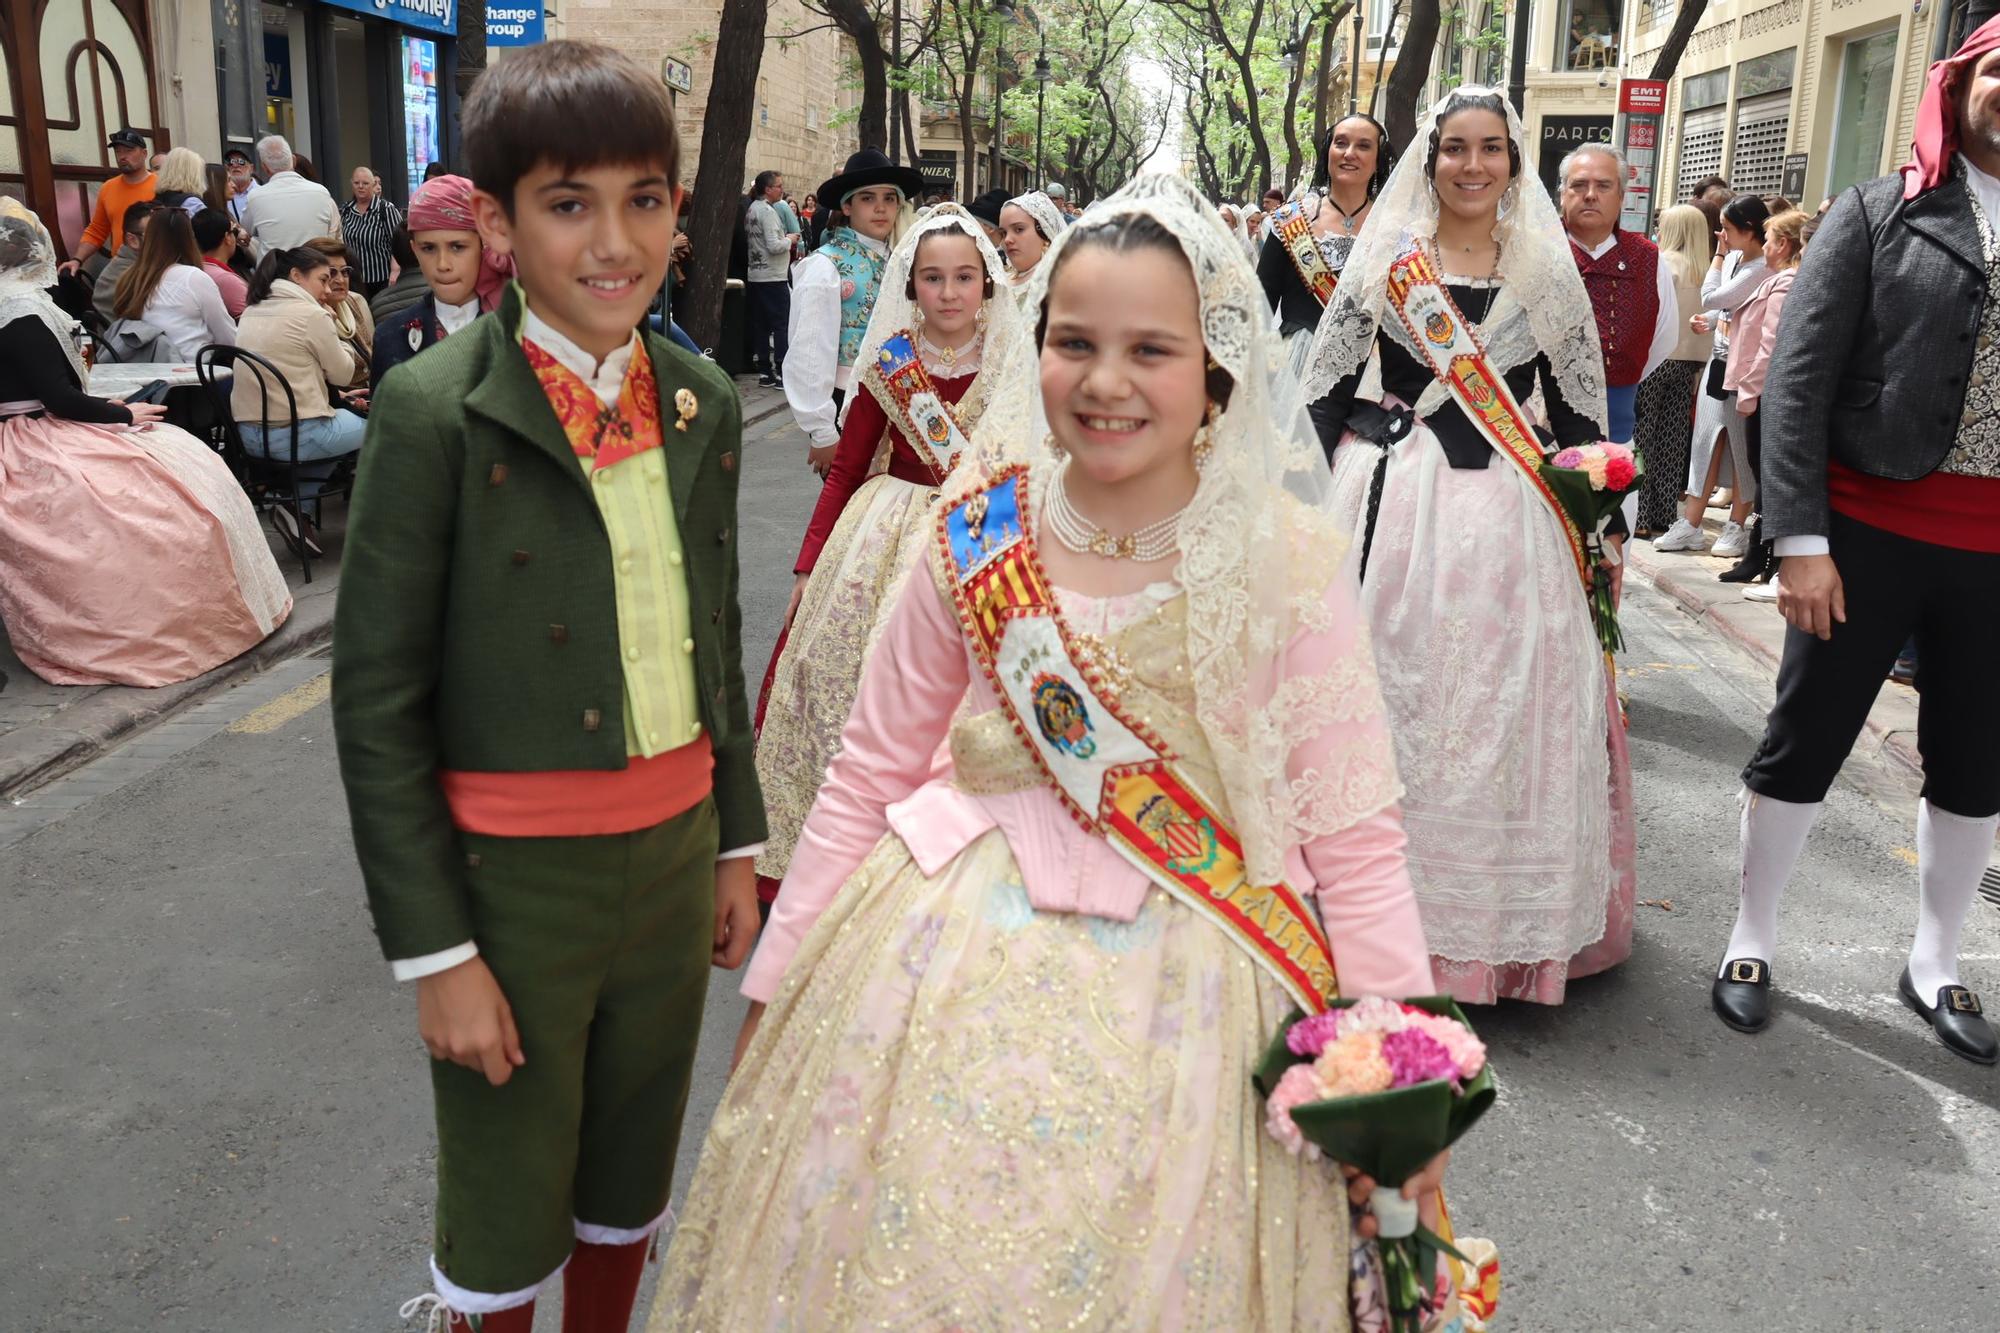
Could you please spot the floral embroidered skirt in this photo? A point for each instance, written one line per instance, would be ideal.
(847, 600)
(961, 1113)
(1518, 800)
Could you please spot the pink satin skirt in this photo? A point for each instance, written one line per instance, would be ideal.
(128, 557)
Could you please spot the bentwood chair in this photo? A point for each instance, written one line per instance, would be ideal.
(272, 482)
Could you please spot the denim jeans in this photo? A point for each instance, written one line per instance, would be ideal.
(322, 442)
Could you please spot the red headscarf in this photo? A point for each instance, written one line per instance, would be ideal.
(1937, 114)
(444, 203)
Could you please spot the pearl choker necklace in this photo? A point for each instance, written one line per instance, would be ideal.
(1155, 541)
(947, 359)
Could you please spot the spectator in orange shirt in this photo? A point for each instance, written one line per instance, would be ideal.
(133, 185)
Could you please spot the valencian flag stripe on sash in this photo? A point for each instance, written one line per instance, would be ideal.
(1114, 775)
(1292, 227)
(904, 388)
(1448, 343)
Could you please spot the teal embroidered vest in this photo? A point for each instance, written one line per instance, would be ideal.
(860, 269)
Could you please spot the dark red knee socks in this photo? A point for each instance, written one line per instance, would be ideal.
(600, 1284)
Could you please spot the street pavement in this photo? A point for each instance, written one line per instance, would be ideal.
(217, 1110)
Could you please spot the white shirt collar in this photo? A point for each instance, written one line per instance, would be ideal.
(456, 317)
(879, 247)
(1985, 189)
(1601, 250)
(604, 379)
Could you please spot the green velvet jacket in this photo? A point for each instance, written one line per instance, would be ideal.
(477, 627)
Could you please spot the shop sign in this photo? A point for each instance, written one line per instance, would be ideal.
(1560, 134)
(427, 15)
(277, 65)
(1793, 184)
(514, 24)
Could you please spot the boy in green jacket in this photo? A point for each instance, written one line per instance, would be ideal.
(539, 702)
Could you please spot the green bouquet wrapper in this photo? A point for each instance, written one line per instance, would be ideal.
(1388, 1135)
(1587, 508)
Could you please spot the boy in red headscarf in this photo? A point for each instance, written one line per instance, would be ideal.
(465, 280)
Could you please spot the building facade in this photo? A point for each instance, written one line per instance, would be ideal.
(802, 123)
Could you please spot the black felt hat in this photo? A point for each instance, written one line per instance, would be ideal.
(870, 166)
(987, 206)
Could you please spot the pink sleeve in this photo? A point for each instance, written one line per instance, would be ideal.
(1751, 385)
(1359, 874)
(914, 678)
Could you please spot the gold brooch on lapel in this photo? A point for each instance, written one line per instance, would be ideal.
(685, 404)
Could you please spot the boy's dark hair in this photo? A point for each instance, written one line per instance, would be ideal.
(210, 227)
(1704, 185)
(1121, 235)
(136, 215)
(528, 109)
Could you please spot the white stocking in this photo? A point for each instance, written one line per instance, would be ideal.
(1774, 834)
(1952, 853)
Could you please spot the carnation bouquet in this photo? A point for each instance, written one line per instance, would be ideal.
(1591, 481)
(1382, 1087)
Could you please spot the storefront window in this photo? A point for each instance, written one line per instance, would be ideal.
(1588, 37)
(420, 106)
(1867, 68)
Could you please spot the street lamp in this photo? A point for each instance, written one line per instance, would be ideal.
(1041, 105)
(1003, 10)
(1354, 79)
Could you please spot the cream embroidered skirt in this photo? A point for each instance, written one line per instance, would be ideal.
(964, 1114)
(847, 601)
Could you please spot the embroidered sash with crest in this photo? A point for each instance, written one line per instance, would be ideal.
(1294, 229)
(1116, 777)
(903, 387)
(1446, 341)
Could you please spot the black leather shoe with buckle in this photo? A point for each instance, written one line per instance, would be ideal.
(1742, 994)
(1957, 1019)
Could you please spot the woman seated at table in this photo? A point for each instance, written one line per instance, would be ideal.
(287, 324)
(132, 557)
(168, 288)
(351, 317)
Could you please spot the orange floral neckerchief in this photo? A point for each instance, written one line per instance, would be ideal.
(605, 435)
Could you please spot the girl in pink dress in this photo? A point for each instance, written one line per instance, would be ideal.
(996, 1072)
(128, 553)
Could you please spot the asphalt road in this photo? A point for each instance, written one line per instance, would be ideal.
(216, 1111)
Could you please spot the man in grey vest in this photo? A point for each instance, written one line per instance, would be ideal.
(1881, 488)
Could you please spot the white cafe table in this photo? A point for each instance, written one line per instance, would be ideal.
(117, 379)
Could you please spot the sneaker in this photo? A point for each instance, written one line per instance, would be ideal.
(1723, 498)
(1761, 592)
(767, 381)
(1734, 540)
(1682, 536)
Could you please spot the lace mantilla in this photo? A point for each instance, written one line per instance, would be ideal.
(895, 311)
(1549, 311)
(1259, 546)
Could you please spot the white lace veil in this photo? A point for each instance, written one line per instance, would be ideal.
(27, 271)
(1543, 306)
(895, 310)
(1259, 545)
(1043, 210)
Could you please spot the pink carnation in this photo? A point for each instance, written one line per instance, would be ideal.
(1310, 1035)
(1414, 1056)
(1354, 1065)
(1568, 458)
(1374, 1013)
(1298, 1086)
(1467, 1051)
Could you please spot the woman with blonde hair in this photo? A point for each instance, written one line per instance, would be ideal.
(182, 180)
(1666, 397)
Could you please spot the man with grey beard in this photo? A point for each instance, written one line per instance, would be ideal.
(1881, 489)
